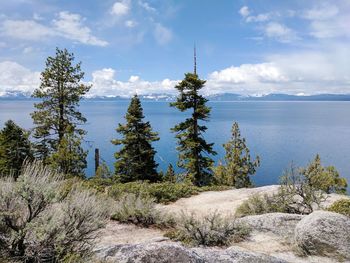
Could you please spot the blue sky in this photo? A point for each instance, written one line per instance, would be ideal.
(145, 46)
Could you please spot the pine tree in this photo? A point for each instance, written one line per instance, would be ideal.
(170, 175)
(70, 158)
(15, 147)
(238, 165)
(324, 178)
(135, 160)
(61, 90)
(193, 150)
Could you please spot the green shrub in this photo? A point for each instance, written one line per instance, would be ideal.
(341, 206)
(255, 205)
(262, 204)
(214, 188)
(211, 230)
(139, 210)
(164, 192)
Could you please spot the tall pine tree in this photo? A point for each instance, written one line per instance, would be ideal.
(57, 115)
(193, 150)
(135, 159)
(15, 147)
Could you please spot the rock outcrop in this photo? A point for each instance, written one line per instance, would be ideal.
(324, 233)
(170, 252)
(281, 224)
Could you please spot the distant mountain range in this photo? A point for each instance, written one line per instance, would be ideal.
(215, 97)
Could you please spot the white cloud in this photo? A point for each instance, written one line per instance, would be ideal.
(70, 26)
(26, 30)
(258, 18)
(162, 34)
(244, 11)
(105, 84)
(15, 77)
(328, 21)
(279, 32)
(37, 17)
(121, 8)
(146, 6)
(323, 12)
(264, 72)
(330, 29)
(134, 78)
(305, 71)
(67, 25)
(130, 23)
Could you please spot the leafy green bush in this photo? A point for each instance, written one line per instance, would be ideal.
(341, 206)
(255, 205)
(139, 210)
(164, 192)
(212, 230)
(262, 204)
(214, 188)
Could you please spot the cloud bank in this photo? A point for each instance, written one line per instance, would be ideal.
(307, 72)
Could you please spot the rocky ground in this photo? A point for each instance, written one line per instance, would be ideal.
(272, 239)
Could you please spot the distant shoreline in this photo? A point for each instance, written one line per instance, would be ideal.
(225, 97)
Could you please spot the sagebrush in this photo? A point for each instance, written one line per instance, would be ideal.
(211, 230)
(140, 210)
(40, 221)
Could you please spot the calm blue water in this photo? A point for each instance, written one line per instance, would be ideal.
(280, 132)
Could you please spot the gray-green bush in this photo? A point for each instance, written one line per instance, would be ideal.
(39, 221)
(211, 230)
(261, 204)
(140, 210)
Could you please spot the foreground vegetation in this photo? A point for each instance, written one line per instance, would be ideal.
(41, 220)
(301, 191)
(212, 230)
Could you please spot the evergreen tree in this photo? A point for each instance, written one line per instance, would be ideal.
(324, 178)
(135, 160)
(70, 158)
(170, 175)
(238, 165)
(61, 90)
(15, 147)
(103, 172)
(193, 150)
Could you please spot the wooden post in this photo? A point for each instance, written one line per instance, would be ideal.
(97, 159)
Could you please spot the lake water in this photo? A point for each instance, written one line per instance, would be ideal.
(279, 132)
